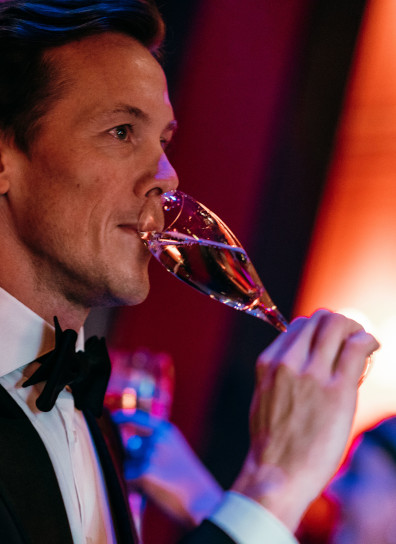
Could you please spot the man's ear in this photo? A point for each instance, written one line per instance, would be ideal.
(4, 173)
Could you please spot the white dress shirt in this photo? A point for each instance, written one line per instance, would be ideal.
(24, 336)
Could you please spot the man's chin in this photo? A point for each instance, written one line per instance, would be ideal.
(132, 296)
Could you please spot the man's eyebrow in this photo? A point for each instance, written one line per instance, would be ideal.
(125, 108)
(135, 112)
(172, 126)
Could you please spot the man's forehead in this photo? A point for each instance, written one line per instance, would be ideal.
(105, 42)
(94, 56)
(127, 80)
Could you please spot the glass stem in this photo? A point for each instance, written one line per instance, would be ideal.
(267, 311)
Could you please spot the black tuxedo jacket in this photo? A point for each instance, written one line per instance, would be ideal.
(31, 505)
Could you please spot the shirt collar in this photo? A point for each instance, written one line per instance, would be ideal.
(24, 335)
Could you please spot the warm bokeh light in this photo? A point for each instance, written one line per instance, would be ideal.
(129, 399)
(352, 261)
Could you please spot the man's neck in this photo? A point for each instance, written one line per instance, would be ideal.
(48, 305)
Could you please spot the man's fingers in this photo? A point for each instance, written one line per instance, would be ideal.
(293, 346)
(298, 347)
(331, 333)
(356, 349)
(314, 346)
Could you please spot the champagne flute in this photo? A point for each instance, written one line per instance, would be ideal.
(196, 246)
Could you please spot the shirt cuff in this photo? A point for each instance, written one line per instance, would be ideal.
(247, 522)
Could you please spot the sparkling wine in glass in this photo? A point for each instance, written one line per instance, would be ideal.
(196, 246)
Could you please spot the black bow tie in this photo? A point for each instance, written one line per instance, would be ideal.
(85, 372)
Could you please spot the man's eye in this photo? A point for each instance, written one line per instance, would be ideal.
(122, 132)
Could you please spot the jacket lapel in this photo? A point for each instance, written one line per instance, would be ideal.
(28, 484)
(110, 453)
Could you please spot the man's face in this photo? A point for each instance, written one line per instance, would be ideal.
(75, 201)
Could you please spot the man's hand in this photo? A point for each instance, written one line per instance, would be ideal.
(302, 412)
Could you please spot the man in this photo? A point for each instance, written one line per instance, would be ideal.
(85, 119)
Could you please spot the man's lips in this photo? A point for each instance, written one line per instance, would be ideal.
(129, 227)
(132, 230)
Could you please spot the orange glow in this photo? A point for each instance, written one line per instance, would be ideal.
(129, 399)
(352, 261)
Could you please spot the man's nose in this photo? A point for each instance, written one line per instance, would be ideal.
(152, 213)
(165, 178)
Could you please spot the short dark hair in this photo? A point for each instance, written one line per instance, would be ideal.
(28, 84)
